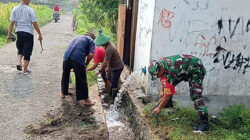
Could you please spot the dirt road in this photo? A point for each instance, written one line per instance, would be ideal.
(25, 99)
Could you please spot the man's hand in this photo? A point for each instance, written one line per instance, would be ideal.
(97, 73)
(156, 111)
(40, 38)
(8, 38)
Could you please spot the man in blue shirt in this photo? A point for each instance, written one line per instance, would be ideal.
(74, 57)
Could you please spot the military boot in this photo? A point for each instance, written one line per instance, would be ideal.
(114, 94)
(204, 125)
(110, 91)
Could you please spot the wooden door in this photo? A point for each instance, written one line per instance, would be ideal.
(121, 28)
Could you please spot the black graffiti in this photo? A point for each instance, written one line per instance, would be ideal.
(218, 50)
(247, 28)
(236, 62)
(233, 25)
(220, 25)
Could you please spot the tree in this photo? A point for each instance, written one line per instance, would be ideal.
(101, 12)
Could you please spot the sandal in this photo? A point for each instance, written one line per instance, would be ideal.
(19, 67)
(27, 72)
(87, 103)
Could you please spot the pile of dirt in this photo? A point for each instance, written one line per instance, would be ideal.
(70, 121)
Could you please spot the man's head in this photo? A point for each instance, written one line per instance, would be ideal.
(156, 69)
(90, 34)
(56, 3)
(26, 2)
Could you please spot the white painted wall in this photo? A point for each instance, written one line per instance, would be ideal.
(191, 27)
(144, 33)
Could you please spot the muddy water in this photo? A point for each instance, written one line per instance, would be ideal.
(117, 124)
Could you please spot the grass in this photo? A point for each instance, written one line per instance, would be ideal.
(233, 123)
(2, 40)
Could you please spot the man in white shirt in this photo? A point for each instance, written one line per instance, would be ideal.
(25, 21)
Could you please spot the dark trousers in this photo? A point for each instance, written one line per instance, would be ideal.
(24, 44)
(114, 77)
(80, 76)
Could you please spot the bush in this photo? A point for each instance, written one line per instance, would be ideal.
(95, 15)
(236, 118)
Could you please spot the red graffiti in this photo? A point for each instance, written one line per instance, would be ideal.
(166, 17)
(202, 41)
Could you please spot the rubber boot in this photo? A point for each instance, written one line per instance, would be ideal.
(170, 103)
(114, 94)
(110, 91)
(204, 125)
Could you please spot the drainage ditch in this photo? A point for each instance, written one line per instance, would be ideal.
(124, 118)
(116, 120)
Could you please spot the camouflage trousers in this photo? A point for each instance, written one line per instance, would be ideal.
(196, 88)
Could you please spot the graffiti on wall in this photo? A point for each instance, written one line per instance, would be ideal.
(232, 61)
(197, 4)
(212, 42)
(165, 18)
(235, 26)
(208, 44)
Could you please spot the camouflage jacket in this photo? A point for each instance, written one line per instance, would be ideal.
(179, 68)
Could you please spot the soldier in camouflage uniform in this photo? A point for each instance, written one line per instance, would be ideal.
(174, 69)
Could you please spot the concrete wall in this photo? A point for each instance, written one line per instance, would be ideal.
(217, 31)
(144, 33)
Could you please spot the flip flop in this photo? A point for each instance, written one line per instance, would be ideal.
(19, 67)
(27, 72)
(87, 104)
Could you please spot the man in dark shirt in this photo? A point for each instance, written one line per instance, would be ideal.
(74, 57)
(112, 58)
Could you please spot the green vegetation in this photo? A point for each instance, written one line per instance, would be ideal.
(43, 13)
(94, 15)
(232, 124)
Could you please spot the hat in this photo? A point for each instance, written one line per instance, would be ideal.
(102, 39)
(154, 68)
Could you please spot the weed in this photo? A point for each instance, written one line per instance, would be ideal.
(84, 125)
(232, 123)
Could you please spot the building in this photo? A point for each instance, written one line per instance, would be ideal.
(215, 31)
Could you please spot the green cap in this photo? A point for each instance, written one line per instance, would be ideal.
(102, 39)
